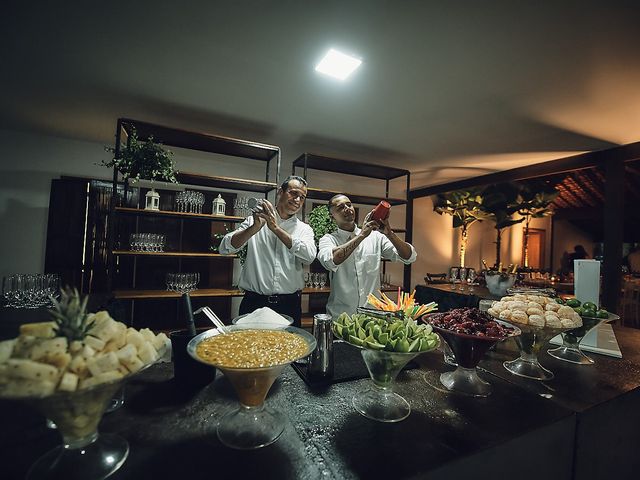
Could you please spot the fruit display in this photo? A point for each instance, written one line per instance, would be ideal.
(76, 351)
(469, 321)
(405, 304)
(403, 336)
(535, 310)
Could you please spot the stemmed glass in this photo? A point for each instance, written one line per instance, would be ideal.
(471, 278)
(570, 350)
(453, 275)
(252, 425)
(322, 280)
(307, 281)
(84, 453)
(463, 278)
(531, 341)
(314, 280)
(468, 350)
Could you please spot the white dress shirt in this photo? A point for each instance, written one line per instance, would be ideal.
(359, 275)
(270, 267)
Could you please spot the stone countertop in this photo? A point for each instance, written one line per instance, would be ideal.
(171, 431)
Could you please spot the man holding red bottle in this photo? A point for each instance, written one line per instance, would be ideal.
(352, 254)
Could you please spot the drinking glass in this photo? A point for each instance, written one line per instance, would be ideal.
(471, 278)
(252, 425)
(314, 280)
(307, 282)
(453, 275)
(322, 280)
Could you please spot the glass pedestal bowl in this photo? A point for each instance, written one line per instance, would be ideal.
(468, 350)
(252, 425)
(378, 401)
(531, 341)
(570, 350)
(84, 454)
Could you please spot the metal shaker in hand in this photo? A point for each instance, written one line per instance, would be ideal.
(321, 360)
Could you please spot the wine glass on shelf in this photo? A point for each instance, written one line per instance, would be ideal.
(570, 350)
(253, 425)
(453, 276)
(471, 278)
(322, 279)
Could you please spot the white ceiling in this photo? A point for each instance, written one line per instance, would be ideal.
(447, 89)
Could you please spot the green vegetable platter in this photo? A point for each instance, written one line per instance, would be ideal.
(391, 335)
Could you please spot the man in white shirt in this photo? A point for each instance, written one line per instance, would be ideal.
(353, 255)
(272, 275)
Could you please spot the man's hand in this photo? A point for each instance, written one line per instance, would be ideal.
(368, 227)
(385, 227)
(267, 214)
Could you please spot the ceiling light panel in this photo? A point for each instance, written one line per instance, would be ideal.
(337, 64)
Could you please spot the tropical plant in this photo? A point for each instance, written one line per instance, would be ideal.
(70, 315)
(465, 206)
(500, 203)
(142, 159)
(534, 201)
(321, 222)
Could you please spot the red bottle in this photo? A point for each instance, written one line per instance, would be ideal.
(381, 212)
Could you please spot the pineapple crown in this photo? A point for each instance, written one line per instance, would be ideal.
(70, 315)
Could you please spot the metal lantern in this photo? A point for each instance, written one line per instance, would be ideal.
(152, 200)
(219, 205)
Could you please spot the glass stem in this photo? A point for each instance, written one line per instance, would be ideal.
(529, 357)
(77, 443)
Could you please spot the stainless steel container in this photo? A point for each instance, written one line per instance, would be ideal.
(321, 360)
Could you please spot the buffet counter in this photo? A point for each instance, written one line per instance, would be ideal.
(582, 424)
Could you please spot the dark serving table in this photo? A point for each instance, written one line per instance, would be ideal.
(448, 299)
(579, 426)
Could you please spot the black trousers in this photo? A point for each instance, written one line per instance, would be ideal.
(289, 304)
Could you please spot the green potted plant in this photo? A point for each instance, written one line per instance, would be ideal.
(146, 160)
(321, 222)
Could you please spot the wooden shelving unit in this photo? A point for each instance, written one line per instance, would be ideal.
(172, 254)
(139, 276)
(178, 215)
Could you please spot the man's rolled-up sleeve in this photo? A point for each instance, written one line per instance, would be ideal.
(303, 245)
(325, 252)
(226, 248)
(389, 252)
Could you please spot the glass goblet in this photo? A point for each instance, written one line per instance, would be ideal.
(84, 453)
(531, 341)
(468, 350)
(252, 425)
(453, 275)
(570, 350)
(378, 401)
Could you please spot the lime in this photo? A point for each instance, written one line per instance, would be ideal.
(560, 301)
(573, 302)
(602, 314)
(590, 306)
(578, 310)
(588, 312)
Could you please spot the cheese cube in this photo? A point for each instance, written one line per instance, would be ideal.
(135, 338)
(160, 341)
(147, 353)
(148, 335)
(39, 329)
(6, 349)
(59, 359)
(75, 346)
(127, 353)
(45, 348)
(78, 365)
(94, 342)
(88, 352)
(103, 363)
(69, 382)
(105, 330)
(134, 365)
(30, 370)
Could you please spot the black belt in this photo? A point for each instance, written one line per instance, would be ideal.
(273, 299)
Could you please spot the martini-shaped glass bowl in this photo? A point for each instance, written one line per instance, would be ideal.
(84, 454)
(378, 401)
(531, 341)
(252, 425)
(570, 350)
(468, 350)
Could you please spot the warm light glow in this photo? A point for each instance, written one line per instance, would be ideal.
(337, 64)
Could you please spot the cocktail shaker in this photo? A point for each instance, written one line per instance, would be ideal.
(321, 360)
